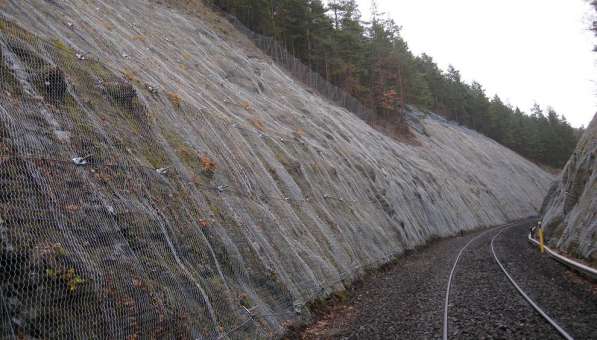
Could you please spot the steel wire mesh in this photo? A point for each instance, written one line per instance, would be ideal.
(128, 210)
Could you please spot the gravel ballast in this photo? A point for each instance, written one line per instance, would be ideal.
(407, 300)
(564, 295)
(484, 304)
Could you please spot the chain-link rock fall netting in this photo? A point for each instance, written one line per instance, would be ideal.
(161, 177)
(570, 208)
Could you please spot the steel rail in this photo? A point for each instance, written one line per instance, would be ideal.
(447, 300)
(551, 321)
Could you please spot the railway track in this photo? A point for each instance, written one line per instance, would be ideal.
(480, 302)
(491, 296)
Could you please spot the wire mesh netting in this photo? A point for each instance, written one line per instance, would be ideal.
(302, 72)
(569, 213)
(162, 180)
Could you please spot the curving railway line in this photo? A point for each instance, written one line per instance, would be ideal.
(491, 296)
(491, 284)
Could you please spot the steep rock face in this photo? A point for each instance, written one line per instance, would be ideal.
(267, 196)
(570, 208)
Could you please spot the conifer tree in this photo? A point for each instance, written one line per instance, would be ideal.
(372, 62)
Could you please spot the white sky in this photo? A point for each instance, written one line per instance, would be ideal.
(524, 50)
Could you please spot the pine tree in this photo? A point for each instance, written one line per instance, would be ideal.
(373, 63)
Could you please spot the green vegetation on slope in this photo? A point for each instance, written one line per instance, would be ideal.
(373, 63)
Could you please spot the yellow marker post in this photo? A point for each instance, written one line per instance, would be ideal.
(541, 245)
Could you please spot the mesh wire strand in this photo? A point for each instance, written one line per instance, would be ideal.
(56, 195)
(129, 210)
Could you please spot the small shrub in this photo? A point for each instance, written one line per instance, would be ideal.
(59, 45)
(129, 75)
(257, 123)
(51, 272)
(58, 250)
(246, 105)
(209, 166)
(174, 99)
(245, 300)
(70, 277)
(72, 280)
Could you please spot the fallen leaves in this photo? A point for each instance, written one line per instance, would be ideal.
(336, 319)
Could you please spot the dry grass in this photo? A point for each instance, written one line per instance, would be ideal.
(257, 123)
(299, 133)
(174, 99)
(209, 166)
(186, 55)
(107, 25)
(138, 37)
(129, 75)
(246, 105)
(58, 44)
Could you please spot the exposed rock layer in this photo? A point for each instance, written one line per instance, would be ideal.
(570, 208)
(267, 196)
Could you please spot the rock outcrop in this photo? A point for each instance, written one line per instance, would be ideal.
(570, 208)
(183, 185)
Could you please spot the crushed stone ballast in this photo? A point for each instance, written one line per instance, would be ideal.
(563, 333)
(539, 310)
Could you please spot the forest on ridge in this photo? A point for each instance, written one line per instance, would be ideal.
(372, 62)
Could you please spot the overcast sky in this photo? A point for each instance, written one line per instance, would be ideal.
(524, 50)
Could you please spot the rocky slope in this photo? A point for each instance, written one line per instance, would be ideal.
(570, 208)
(268, 196)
